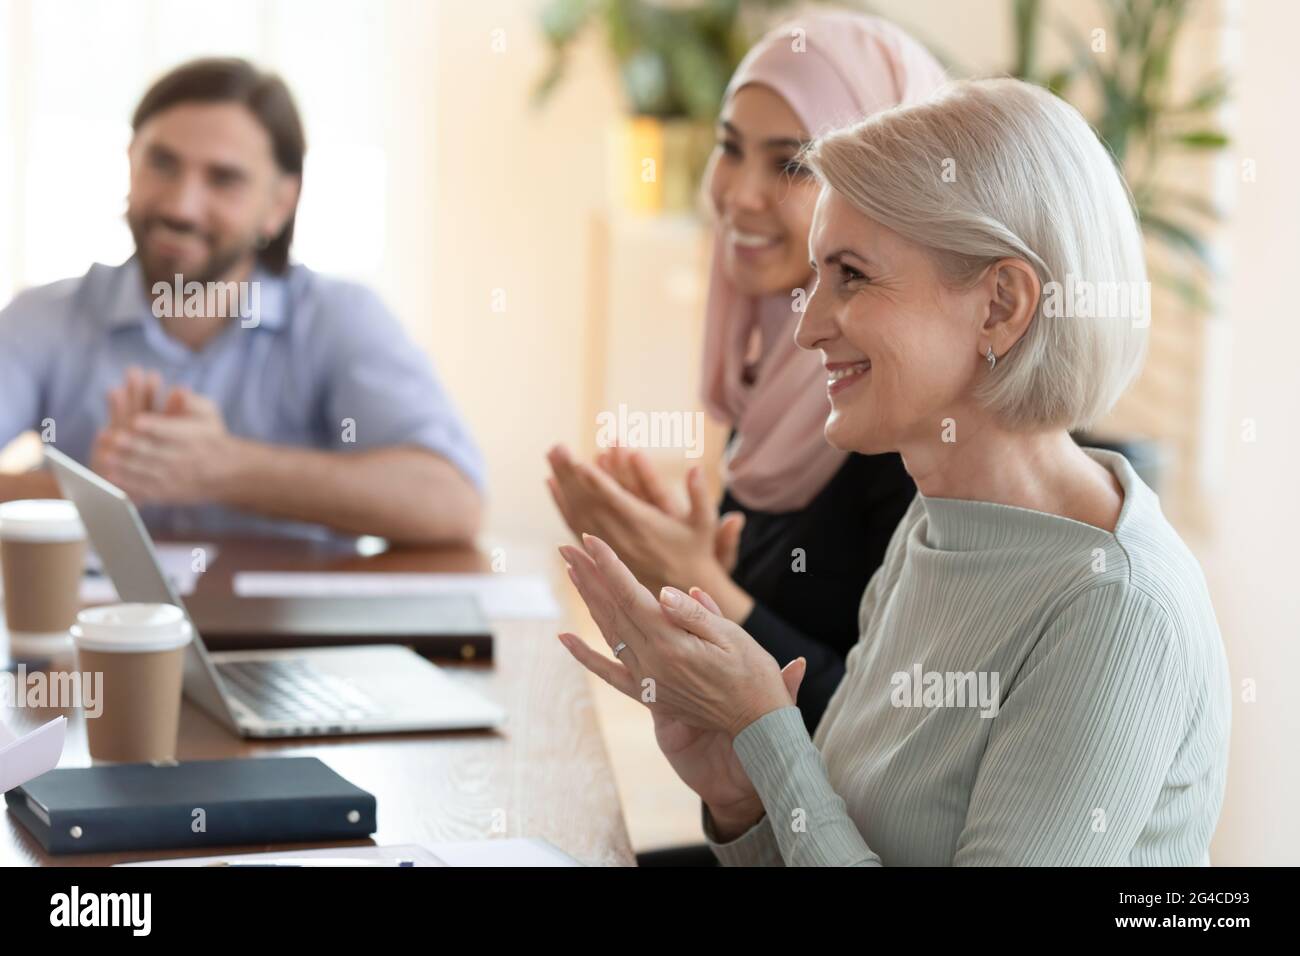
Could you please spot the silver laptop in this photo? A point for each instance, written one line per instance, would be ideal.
(306, 692)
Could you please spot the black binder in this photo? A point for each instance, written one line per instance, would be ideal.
(200, 803)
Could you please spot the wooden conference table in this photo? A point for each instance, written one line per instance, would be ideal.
(545, 774)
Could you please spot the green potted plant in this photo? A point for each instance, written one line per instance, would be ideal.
(674, 60)
(1143, 123)
(1138, 116)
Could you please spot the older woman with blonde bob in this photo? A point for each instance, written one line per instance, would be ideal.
(1040, 678)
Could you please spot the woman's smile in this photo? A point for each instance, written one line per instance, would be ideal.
(843, 375)
(751, 246)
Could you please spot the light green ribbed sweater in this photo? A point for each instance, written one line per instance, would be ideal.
(1102, 738)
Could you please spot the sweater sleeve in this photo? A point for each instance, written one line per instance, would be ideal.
(757, 846)
(780, 732)
(806, 819)
(1076, 756)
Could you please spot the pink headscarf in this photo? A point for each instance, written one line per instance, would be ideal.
(850, 67)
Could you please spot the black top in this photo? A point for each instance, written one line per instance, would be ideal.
(806, 570)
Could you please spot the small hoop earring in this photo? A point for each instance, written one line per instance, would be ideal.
(993, 359)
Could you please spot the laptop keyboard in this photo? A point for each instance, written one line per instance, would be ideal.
(292, 691)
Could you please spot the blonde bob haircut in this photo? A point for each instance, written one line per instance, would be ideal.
(994, 169)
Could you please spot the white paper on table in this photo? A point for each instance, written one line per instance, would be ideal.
(27, 757)
(511, 852)
(501, 596)
(515, 852)
(176, 559)
(417, 854)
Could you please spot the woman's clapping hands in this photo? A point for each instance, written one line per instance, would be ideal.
(702, 676)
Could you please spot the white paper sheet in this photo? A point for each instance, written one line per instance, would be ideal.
(418, 854)
(501, 596)
(513, 852)
(27, 757)
(176, 558)
(523, 852)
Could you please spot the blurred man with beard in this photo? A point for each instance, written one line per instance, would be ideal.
(226, 389)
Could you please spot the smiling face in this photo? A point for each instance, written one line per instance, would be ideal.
(763, 199)
(900, 348)
(205, 191)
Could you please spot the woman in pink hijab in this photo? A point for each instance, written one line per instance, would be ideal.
(804, 525)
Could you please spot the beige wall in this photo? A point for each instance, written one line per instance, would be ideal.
(514, 192)
(1252, 559)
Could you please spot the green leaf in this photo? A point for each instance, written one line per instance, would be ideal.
(1026, 15)
(1192, 202)
(1202, 139)
(549, 80)
(699, 77)
(1188, 289)
(563, 20)
(1209, 95)
(645, 78)
(1060, 81)
(1177, 236)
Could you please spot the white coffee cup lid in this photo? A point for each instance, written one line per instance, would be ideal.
(131, 628)
(40, 519)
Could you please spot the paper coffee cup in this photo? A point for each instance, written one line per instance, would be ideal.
(139, 649)
(42, 552)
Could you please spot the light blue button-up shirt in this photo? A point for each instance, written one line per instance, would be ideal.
(322, 365)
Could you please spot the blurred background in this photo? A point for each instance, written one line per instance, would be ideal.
(484, 167)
